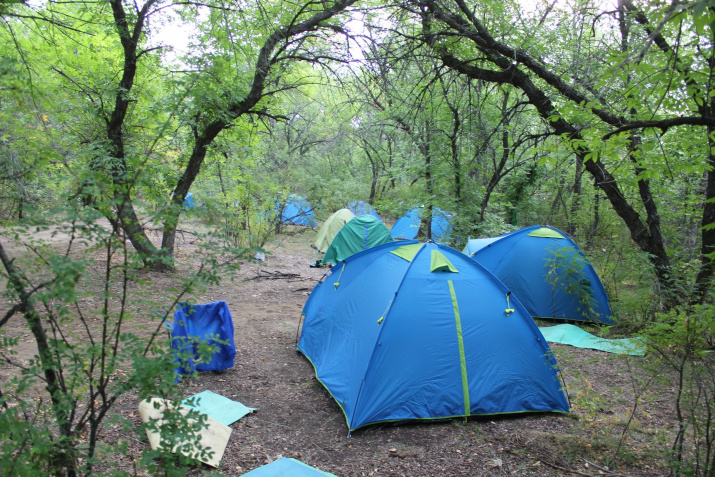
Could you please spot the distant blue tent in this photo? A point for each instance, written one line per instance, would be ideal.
(297, 211)
(546, 271)
(207, 322)
(407, 226)
(410, 330)
(189, 202)
(360, 207)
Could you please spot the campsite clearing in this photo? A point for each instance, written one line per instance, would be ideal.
(297, 417)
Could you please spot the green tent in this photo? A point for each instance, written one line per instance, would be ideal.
(330, 228)
(361, 233)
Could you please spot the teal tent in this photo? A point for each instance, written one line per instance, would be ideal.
(409, 330)
(361, 233)
(547, 272)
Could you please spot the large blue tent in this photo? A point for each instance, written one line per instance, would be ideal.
(407, 226)
(297, 211)
(410, 330)
(547, 272)
(360, 207)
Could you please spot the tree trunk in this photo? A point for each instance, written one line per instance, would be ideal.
(426, 218)
(204, 132)
(497, 174)
(204, 137)
(576, 198)
(125, 213)
(456, 166)
(64, 457)
(705, 274)
(374, 176)
(596, 217)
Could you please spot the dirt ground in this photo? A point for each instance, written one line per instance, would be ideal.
(298, 418)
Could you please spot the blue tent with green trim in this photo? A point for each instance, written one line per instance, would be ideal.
(547, 272)
(410, 330)
(408, 226)
(297, 211)
(360, 207)
(189, 201)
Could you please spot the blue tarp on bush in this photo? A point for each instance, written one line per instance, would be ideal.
(207, 322)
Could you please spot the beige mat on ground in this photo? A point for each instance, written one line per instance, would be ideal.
(215, 436)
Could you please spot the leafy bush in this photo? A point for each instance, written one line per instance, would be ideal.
(77, 303)
(683, 342)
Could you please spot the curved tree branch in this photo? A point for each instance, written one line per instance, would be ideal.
(663, 124)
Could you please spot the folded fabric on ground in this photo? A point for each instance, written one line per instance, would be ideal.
(287, 467)
(213, 438)
(574, 336)
(217, 407)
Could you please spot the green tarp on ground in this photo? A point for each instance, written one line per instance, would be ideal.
(574, 336)
(218, 407)
(287, 467)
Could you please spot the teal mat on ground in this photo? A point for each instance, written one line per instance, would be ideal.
(575, 336)
(285, 467)
(218, 407)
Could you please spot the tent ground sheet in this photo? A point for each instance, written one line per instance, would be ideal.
(217, 407)
(285, 467)
(574, 336)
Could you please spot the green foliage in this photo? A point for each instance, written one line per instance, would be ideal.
(78, 304)
(464, 225)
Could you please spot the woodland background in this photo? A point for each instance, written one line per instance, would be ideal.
(594, 117)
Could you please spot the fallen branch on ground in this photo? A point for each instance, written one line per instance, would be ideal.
(602, 470)
(268, 275)
(570, 471)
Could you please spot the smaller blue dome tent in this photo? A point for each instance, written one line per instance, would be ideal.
(297, 211)
(360, 207)
(547, 272)
(407, 226)
(409, 330)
